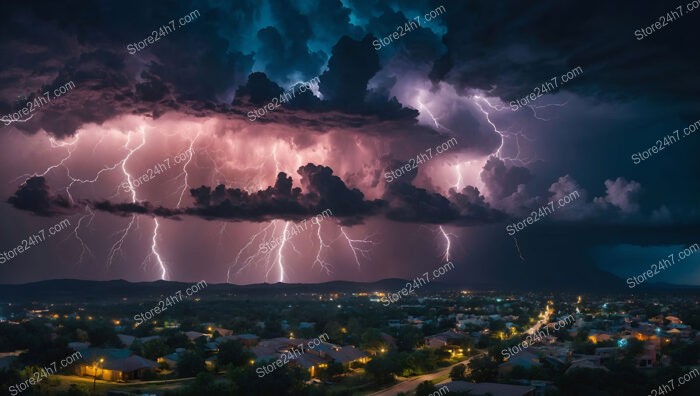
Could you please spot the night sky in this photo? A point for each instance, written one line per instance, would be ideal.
(203, 99)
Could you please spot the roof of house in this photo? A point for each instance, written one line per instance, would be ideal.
(91, 355)
(193, 335)
(446, 336)
(172, 357)
(116, 359)
(132, 363)
(346, 354)
(523, 358)
(307, 360)
(585, 364)
(127, 340)
(272, 347)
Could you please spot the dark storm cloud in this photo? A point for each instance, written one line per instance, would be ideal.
(128, 208)
(258, 90)
(194, 69)
(345, 81)
(325, 191)
(408, 203)
(35, 196)
(284, 47)
(515, 46)
(402, 202)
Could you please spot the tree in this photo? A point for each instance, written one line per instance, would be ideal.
(458, 372)
(102, 335)
(285, 380)
(371, 340)
(190, 364)
(408, 338)
(425, 388)
(333, 329)
(232, 352)
(686, 354)
(206, 384)
(82, 335)
(483, 369)
(382, 369)
(154, 349)
(176, 339)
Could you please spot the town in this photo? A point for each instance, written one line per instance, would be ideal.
(301, 342)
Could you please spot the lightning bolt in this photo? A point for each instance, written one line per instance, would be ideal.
(71, 147)
(258, 256)
(448, 244)
(185, 175)
(117, 246)
(85, 249)
(458, 171)
(319, 254)
(477, 100)
(280, 265)
(517, 247)
(357, 245)
(535, 107)
(421, 106)
(154, 251)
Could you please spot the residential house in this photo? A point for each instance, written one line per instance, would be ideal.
(193, 335)
(443, 339)
(113, 364)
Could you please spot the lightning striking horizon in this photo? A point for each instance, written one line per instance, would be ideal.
(116, 248)
(253, 258)
(280, 266)
(517, 247)
(482, 104)
(448, 244)
(517, 135)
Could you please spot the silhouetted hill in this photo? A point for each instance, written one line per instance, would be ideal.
(87, 290)
(73, 289)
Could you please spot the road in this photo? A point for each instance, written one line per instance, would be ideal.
(411, 384)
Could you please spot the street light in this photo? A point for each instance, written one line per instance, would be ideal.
(94, 372)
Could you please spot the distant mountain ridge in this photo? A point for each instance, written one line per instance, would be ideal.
(75, 289)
